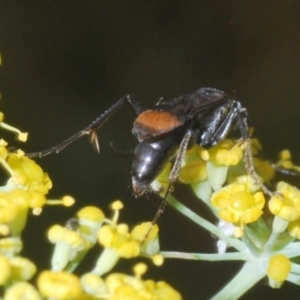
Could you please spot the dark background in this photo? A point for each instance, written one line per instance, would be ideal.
(65, 62)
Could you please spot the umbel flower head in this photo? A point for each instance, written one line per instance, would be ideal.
(73, 241)
(122, 286)
(261, 235)
(26, 188)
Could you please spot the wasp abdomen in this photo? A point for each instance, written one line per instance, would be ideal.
(150, 158)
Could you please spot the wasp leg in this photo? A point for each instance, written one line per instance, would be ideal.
(248, 159)
(92, 128)
(213, 137)
(177, 164)
(172, 177)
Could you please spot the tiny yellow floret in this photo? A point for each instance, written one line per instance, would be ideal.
(150, 244)
(285, 161)
(4, 230)
(92, 213)
(163, 291)
(158, 259)
(140, 269)
(161, 183)
(225, 153)
(5, 270)
(23, 136)
(193, 172)
(106, 235)
(59, 234)
(22, 268)
(256, 146)
(37, 211)
(286, 206)
(204, 154)
(294, 229)
(285, 154)
(279, 268)
(10, 246)
(20, 153)
(119, 239)
(59, 285)
(37, 200)
(237, 204)
(140, 231)
(3, 152)
(117, 205)
(3, 143)
(22, 291)
(94, 285)
(28, 174)
(68, 201)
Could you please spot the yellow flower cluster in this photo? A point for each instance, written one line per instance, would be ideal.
(237, 204)
(64, 286)
(225, 153)
(194, 169)
(218, 177)
(286, 204)
(72, 243)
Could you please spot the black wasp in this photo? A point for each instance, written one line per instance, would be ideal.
(204, 116)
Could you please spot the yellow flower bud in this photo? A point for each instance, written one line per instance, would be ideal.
(279, 268)
(91, 213)
(286, 206)
(294, 229)
(59, 285)
(22, 290)
(22, 269)
(94, 285)
(5, 270)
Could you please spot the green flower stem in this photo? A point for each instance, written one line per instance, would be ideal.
(294, 278)
(284, 241)
(279, 225)
(107, 260)
(233, 242)
(290, 250)
(295, 268)
(250, 245)
(261, 227)
(258, 232)
(247, 277)
(73, 264)
(270, 244)
(208, 257)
